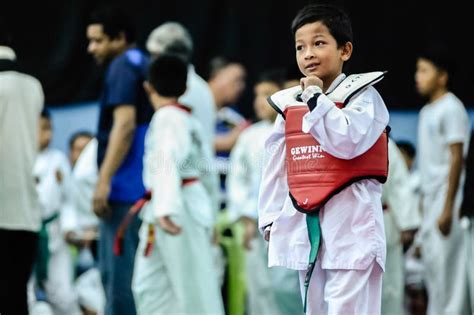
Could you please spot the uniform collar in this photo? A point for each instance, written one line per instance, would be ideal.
(7, 53)
(336, 82)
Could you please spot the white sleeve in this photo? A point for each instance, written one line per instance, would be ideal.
(397, 192)
(349, 132)
(67, 216)
(210, 177)
(238, 183)
(455, 124)
(274, 187)
(172, 146)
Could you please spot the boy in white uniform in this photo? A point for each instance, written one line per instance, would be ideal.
(443, 138)
(401, 219)
(265, 287)
(347, 276)
(174, 271)
(54, 265)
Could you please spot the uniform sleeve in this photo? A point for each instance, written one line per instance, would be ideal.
(209, 175)
(274, 186)
(349, 132)
(67, 212)
(397, 193)
(69, 216)
(455, 124)
(238, 182)
(123, 81)
(172, 146)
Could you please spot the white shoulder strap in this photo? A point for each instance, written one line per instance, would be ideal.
(353, 84)
(284, 98)
(342, 93)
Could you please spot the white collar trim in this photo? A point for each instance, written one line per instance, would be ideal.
(7, 53)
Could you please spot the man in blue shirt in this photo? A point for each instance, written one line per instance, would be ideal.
(124, 117)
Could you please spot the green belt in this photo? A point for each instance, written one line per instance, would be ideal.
(42, 258)
(314, 234)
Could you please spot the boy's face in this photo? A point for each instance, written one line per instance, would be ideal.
(262, 109)
(101, 46)
(77, 147)
(317, 53)
(428, 77)
(230, 82)
(45, 133)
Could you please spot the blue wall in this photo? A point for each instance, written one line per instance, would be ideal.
(84, 116)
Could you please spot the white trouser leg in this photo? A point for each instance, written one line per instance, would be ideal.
(178, 277)
(344, 291)
(59, 286)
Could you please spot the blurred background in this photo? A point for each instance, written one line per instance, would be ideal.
(50, 41)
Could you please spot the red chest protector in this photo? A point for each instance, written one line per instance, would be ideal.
(314, 176)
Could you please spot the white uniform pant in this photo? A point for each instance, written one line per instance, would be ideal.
(345, 292)
(444, 260)
(269, 290)
(469, 241)
(178, 277)
(59, 286)
(393, 277)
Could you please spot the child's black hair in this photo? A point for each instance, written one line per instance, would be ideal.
(334, 18)
(79, 134)
(168, 75)
(440, 56)
(114, 20)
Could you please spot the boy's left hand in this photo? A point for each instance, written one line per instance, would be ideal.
(444, 223)
(311, 80)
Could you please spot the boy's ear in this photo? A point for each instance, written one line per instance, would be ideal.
(443, 78)
(148, 88)
(346, 51)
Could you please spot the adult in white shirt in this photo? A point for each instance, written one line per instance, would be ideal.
(443, 138)
(21, 101)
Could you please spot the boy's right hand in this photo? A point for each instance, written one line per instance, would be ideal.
(168, 225)
(250, 230)
(266, 233)
(309, 81)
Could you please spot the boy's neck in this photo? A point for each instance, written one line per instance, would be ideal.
(161, 101)
(437, 94)
(327, 83)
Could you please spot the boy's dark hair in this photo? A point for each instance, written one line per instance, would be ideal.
(168, 75)
(440, 56)
(276, 76)
(79, 134)
(114, 21)
(45, 113)
(335, 19)
(407, 147)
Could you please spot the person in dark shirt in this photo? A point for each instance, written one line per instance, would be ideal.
(124, 117)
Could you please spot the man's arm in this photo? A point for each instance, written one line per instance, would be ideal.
(456, 162)
(120, 140)
(225, 143)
